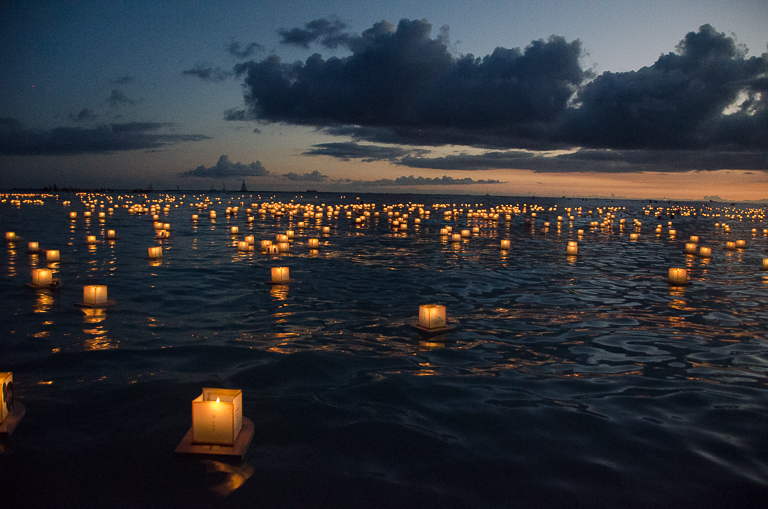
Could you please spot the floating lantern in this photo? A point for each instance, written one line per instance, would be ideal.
(87, 213)
(91, 239)
(212, 214)
(250, 240)
(580, 233)
(95, 295)
(271, 249)
(265, 244)
(465, 233)
(42, 277)
(432, 316)
(33, 247)
(765, 264)
(573, 248)
(155, 253)
(678, 276)
(444, 232)
(289, 234)
(741, 244)
(6, 396)
(301, 224)
(633, 236)
(672, 233)
(194, 217)
(217, 416)
(243, 246)
(690, 248)
(281, 238)
(10, 236)
(456, 237)
(280, 274)
(730, 246)
(167, 227)
(111, 234)
(102, 215)
(694, 239)
(73, 215)
(313, 243)
(283, 247)
(476, 230)
(705, 252)
(234, 230)
(505, 244)
(52, 255)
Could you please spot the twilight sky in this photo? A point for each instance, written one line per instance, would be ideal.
(548, 98)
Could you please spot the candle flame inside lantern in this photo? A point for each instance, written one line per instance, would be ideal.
(432, 316)
(42, 277)
(218, 400)
(678, 275)
(280, 274)
(95, 294)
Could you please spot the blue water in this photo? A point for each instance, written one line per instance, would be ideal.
(570, 382)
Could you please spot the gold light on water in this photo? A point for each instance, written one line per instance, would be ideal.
(690, 248)
(432, 316)
(326, 229)
(33, 246)
(505, 244)
(694, 239)
(730, 246)
(52, 255)
(283, 247)
(111, 234)
(10, 236)
(765, 263)
(250, 240)
(91, 239)
(633, 236)
(234, 230)
(217, 416)
(573, 248)
(313, 243)
(243, 246)
(95, 295)
(741, 244)
(677, 275)
(6, 396)
(42, 277)
(280, 274)
(466, 233)
(705, 252)
(456, 237)
(73, 215)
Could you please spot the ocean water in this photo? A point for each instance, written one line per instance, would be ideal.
(582, 381)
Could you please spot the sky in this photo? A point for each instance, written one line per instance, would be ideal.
(643, 100)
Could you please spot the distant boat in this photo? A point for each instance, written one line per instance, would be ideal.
(243, 189)
(311, 191)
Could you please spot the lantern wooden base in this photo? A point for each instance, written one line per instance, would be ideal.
(93, 243)
(425, 332)
(278, 283)
(55, 283)
(677, 283)
(111, 238)
(108, 304)
(238, 450)
(34, 251)
(12, 419)
(764, 270)
(156, 258)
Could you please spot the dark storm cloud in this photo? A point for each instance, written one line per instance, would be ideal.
(408, 83)
(347, 151)
(678, 102)
(226, 168)
(17, 139)
(315, 176)
(117, 98)
(214, 74)
(323, 31)
(400, 86)
(242, 51)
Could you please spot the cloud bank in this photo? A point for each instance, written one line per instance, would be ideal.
(225, 168)
(18, 140)
(705, 102)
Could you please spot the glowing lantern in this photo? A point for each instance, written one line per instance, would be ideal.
(111, 234)
(33, 247)
(155, 252)
(194, 217)
(280, 274)
(444, 232)
(326, 229)
(250, 240)
(694, 239)
(270, 250)
(633, 236)
(281, 238)
(432, 316)
(95, 295)
(741, 244)
(243, 246)
(102, 215)
(301, 224)
(580, 233)
(672, 233)
(289, 234)
(678, 276)
(765, 264)
(212, 214)
(87, 213)
(10, 236)
(283, 247)
(573, 248)
(73, 215)
(91, 239)
(6, 396)
(217, 416)
(476, 230)
(456, 237)
(730, 246)
(42, 277)
(52, 255)
(465, 233)
(313, 243)
(234, 230)
(505, 245)
(690, 248)
(705, 252)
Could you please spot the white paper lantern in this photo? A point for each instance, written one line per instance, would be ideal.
(42, 277)
(217, 416)
(677, 275)
(95, 295)
(280, 274)
(432, 316)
